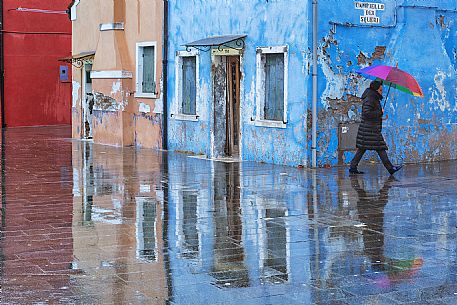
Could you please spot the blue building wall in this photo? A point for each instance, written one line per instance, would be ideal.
(419, 36)
(236, 247)
(266, 23)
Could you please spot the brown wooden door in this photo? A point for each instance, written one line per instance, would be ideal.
(233, 106)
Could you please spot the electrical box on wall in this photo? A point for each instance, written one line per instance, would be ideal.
(347, 135)
(63, 73)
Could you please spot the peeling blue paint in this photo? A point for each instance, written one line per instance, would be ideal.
(419, 36)
(421, 41)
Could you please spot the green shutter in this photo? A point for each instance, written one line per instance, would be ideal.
(148, 84)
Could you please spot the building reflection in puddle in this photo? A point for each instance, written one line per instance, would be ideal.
(352, 232)
(228, 263)
(377, 243)
(152, 227)
(225, 231)
(118, 199)
(146, 229)
(233, 239)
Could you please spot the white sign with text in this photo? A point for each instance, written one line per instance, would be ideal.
(369, 12)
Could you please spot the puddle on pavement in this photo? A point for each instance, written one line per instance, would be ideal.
(111, 225)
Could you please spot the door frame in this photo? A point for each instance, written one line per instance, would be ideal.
(233, 115)
(84, 101)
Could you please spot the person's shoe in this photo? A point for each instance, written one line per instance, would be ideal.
(395, 169)
(355, 171)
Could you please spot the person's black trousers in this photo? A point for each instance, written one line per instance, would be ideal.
(382, 155)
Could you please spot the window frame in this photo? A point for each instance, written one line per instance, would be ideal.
(139, 227)
(139, 72)
(260, 85)
(179, 86)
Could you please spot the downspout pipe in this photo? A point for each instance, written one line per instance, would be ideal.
(314, 101)
(165, 75)
(2, 67)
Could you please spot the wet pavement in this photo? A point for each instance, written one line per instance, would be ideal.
(91, 224)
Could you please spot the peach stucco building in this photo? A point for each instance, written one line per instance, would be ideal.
(117, 71)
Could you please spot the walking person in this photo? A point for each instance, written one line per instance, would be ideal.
(369, 136)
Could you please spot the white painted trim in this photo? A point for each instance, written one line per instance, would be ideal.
(114, 74)
(111, 26)
(185, 117)
(178, 87)
(187, 53)
(146, 95)
(269, 123)
(73, 10)
(272, 50)
(201, 226)
(260, 85)
(241, 103)
(140, 201)
(139, 69)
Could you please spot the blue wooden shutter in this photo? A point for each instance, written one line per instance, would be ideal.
(189, 85)
(274, 87)
(148, 84)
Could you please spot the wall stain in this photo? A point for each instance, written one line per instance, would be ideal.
(104, 102)
(440, 22)
(379, 53)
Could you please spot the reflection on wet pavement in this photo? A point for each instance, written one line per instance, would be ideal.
(91, 224)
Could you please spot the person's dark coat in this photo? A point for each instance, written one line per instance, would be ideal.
(369, 135)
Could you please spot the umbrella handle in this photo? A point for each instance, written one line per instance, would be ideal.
(388, 90)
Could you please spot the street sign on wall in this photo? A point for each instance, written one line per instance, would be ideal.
(365, 13)
(225, 51)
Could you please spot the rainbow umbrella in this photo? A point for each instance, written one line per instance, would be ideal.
(393, 77)
(396, 271)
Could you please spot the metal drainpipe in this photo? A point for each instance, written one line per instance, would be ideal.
(2, 67)
(314, 106)
(165, 75)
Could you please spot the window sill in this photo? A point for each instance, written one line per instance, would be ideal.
(185, 117)
(146, 95)
(270, 124)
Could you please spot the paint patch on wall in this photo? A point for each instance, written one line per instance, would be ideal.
(438, 98)
(144, 108)
(335, 81)
(75, 93)
(250, 104)
(116, 88)
(106, 103)
(158, 105)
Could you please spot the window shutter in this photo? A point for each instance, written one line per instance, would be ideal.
(189, 85)
(148, 83)
(274, 87)
(148, 232)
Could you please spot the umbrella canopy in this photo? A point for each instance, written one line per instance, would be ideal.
(396, 271)
(403, 269)
(393, 77)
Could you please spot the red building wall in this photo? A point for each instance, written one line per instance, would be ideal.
(33, 44)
